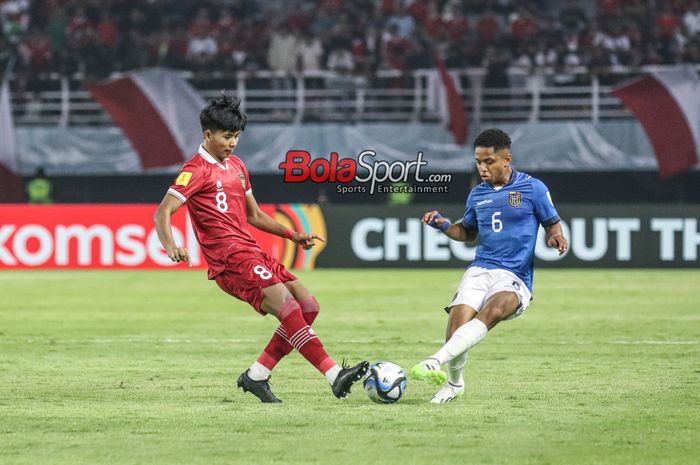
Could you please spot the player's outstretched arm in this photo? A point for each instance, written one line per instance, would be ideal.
(452, 230)
(169, 205)
(555, 238)
(264, 222)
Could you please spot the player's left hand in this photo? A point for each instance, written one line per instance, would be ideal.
(306, 240)
(558, 242)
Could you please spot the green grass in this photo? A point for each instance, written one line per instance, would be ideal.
(140, 367)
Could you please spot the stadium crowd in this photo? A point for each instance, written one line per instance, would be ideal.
(93, 38)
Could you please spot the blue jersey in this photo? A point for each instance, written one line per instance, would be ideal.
(507, 220)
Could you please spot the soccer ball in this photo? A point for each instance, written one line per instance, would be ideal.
(385, 382)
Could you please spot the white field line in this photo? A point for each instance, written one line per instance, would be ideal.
(179, 340)
(618, 342)
(654, 343)
(124, 340)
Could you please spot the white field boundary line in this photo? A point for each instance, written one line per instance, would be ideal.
(179, 340)
(125, 340)
(618, 342)
(655, 343)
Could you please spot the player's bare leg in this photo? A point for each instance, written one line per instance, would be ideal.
(498, 307)
(454, 387)
(460, 314)
(297, 289)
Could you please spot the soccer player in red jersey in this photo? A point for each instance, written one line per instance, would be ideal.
(216, 188)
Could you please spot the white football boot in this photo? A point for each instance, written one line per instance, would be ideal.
(447, 393)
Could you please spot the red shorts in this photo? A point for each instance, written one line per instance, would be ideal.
(248, 272)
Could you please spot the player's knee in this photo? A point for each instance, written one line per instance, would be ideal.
(492, 315)
(310, 308)
(289, 306)
(310, 305)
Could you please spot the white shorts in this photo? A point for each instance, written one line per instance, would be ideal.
(478, 284)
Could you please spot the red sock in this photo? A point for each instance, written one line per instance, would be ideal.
(303, 338)
(279, 345)
(276, 349)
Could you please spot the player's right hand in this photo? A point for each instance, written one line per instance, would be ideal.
(179, 254)
(430, 216)
(306, 240)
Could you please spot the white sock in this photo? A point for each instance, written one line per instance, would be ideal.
(455, 369)
(332, 373)
(258, 372)
(467, 336)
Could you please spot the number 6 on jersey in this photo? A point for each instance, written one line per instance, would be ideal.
(496, 224)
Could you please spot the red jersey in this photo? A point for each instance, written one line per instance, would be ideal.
(215, 194)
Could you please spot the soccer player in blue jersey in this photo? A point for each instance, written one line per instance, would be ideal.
(505, 212)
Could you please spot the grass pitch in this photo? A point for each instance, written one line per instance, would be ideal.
(140, 367)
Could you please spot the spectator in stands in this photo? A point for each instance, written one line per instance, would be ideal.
(572, 17)
(309, 53)
(202, 49)
(341, 61)
(566, 65)
(95, 37)
(80, 29)
(488, 28)
(227, 23)
(370, 39)
(202, 25)
(395, 49)
(56, 31)
(619, 45)
(534, 56)
(668, 31)
(108, 32)
(324, 22)
(456, 22)
(691, 21)
(433, 24)
(282, 56)
(14, 16)
(523, 27)
(35, 51)
(401, 22)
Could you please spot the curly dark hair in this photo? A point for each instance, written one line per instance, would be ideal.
(493, 138)
(223, 114)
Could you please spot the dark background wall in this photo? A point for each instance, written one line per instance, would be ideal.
(584, 187)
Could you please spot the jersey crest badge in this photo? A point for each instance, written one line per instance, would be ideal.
(183, 179)
(242, 178)
(515, 199)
